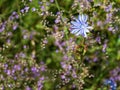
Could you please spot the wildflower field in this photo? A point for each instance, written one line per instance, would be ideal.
(59, 44)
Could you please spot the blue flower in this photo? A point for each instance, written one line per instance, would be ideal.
(80, 26)
(111, 83)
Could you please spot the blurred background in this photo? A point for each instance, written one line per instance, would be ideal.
(38, 51)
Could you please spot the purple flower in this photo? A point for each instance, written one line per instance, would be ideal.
(95, 59)
(28, 88)
(8, 72)
(115, 74)
(22, 11)
(17, 67)
(22, 55)
(14, 15)
(2, 26)
(80, 26)
(57, 20)
(104, 47)
(110, 28)
(33, 9)
(108, 8)
(51, 1)
(26, 8)
(42, 68)
(5, 66)
(34, 69)
(15, 26)
(63, 77)
(35, 72)
(42, 8)
(98, 39)
(40, 83)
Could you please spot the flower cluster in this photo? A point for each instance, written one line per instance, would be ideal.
(111, 83)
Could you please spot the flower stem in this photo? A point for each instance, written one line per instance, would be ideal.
(56, 2)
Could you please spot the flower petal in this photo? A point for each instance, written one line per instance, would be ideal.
(79, 32)
(80, 19)
(80, 26)
(89, 27)
(74, 23)
(74, 31)
(85, 18)
(86, 30)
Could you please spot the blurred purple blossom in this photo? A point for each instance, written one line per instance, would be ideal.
(104, 47)
(28, 88)
(45, 41)
(22, 11)
(43, 68)
(57, 20)
(33, 9)
(24, 46)
(65, 57)
(110, 28)
(15, 26)
(26, 8)
(98, 39)
(14, 16)
(5, 66)
(108, 8)
(115, 74)
(74, 75)
(40, 2)
(95, 59)
(26, 69)
(42, 8)
(17, 67)
(34, 69)
(51, 1)
(2, 26)
(63, 77)
(108, 18)
(8, 72)
(40, 83)
(21, 54)
(99, 23)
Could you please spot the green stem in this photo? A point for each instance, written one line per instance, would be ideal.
(56, 2)
(83, 43)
